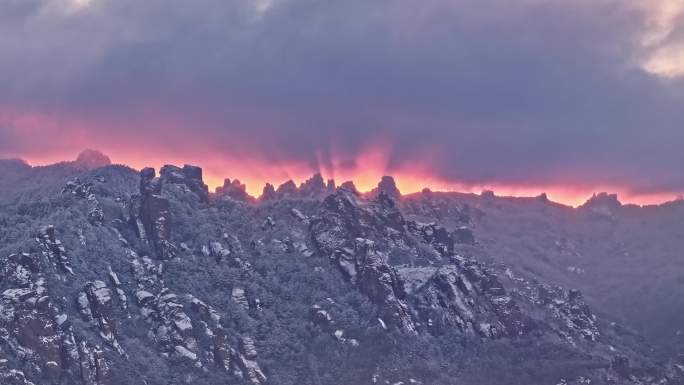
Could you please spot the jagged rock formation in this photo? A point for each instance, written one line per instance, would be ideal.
(269, 193)
(388, 186)
(307, 285)
(287, 190)
(349, 185)
(37, 331)
(84, 191)
(461, 294)
(150, 211)
(315, 187)
(602, 205)
(189, 176)
(234, 190)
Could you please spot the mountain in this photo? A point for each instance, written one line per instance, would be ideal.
(113, 276)
(91, 159)
(626, 259)
(20, 181)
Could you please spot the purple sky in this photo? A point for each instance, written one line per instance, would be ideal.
(506, 92)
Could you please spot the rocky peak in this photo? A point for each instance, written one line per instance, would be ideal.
(487, 194)
(234, 190)
(91, 159)
(287, 189)
(268, 193)
(349, 186)
(603, 199)
(388, 186)
(602, 205)
(313, 185)
(316, 186)
(189, 176)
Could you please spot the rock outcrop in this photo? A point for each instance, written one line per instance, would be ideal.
(316, 284)
(189, 176)
(151, 213)
(38, 332)
(341, 232)
(602, 205)
(234, 190)
(85, 191)
(316, 187)
(388, 186)
(268, 193)
(53, 249)
(287, 190)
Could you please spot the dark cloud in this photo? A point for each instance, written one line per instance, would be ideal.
(524, 92)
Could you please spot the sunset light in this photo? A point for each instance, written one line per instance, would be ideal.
(351, 192)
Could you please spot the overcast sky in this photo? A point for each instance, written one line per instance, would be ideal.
(524, 92)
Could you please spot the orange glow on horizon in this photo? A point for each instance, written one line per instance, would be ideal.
(369, 169)
(365, 168)
(409, 183)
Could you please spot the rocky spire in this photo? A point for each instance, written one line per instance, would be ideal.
(151, 214)
(233, 189)
(313, 186)
(268, 193)
(316, 187)
(389, 187)
(603, 199)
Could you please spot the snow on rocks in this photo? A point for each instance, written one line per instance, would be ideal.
(217, 250)
(53, 249)
(33, 326)
(239, 297)
(95, 303)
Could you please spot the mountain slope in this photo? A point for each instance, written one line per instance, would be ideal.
(627, 260)
(120, 277)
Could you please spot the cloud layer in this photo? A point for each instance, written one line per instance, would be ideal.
(523, 92)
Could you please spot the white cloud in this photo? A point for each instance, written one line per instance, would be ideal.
(662, 19)
(665, 54)
(667, 61)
